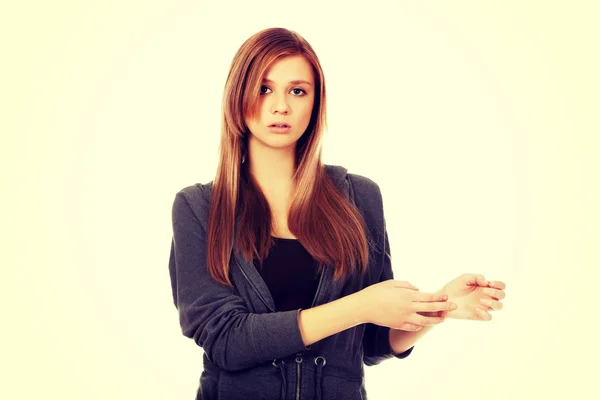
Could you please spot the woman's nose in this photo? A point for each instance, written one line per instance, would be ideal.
(280, 105)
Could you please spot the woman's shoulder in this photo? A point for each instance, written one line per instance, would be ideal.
(192, 199)
(366, 190)
(367, 198)
(361, 183)
(364, 183)
(196, 191)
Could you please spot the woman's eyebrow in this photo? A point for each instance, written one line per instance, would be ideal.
(296, 82)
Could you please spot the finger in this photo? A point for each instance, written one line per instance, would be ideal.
(483, 315)
(436, 313)
(425, 321)
(434, 306)
(494, 304)
(495, 293)
(425, 297)
(498, 285)
(428, 313)
(480, 280)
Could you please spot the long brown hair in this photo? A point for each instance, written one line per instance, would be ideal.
(330, 228)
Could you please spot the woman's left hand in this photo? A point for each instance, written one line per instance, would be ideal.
(474, 296)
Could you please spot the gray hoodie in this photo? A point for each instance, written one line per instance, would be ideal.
(253, 351)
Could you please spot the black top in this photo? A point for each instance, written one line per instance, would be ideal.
(291, 274)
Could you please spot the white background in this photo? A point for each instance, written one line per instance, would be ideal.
(479, 121)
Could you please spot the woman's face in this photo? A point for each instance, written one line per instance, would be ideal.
(286, 96)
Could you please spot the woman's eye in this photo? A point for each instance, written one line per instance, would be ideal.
(302, 92)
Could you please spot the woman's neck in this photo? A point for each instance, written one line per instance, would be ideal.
(272, 170)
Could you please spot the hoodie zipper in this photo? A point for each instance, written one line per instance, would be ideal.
(299, 354)
(298, 362)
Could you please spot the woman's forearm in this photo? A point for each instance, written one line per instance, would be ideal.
(328, 319)
(400, 341)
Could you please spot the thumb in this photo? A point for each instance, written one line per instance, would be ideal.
(475, 279)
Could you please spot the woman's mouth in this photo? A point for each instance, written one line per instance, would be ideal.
(280, 127)
(279, 124)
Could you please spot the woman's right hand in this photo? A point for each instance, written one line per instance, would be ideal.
(398, 304)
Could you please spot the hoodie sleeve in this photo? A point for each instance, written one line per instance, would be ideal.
(214, 315)
(376, 340)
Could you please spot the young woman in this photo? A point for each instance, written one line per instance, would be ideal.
(281, 267)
